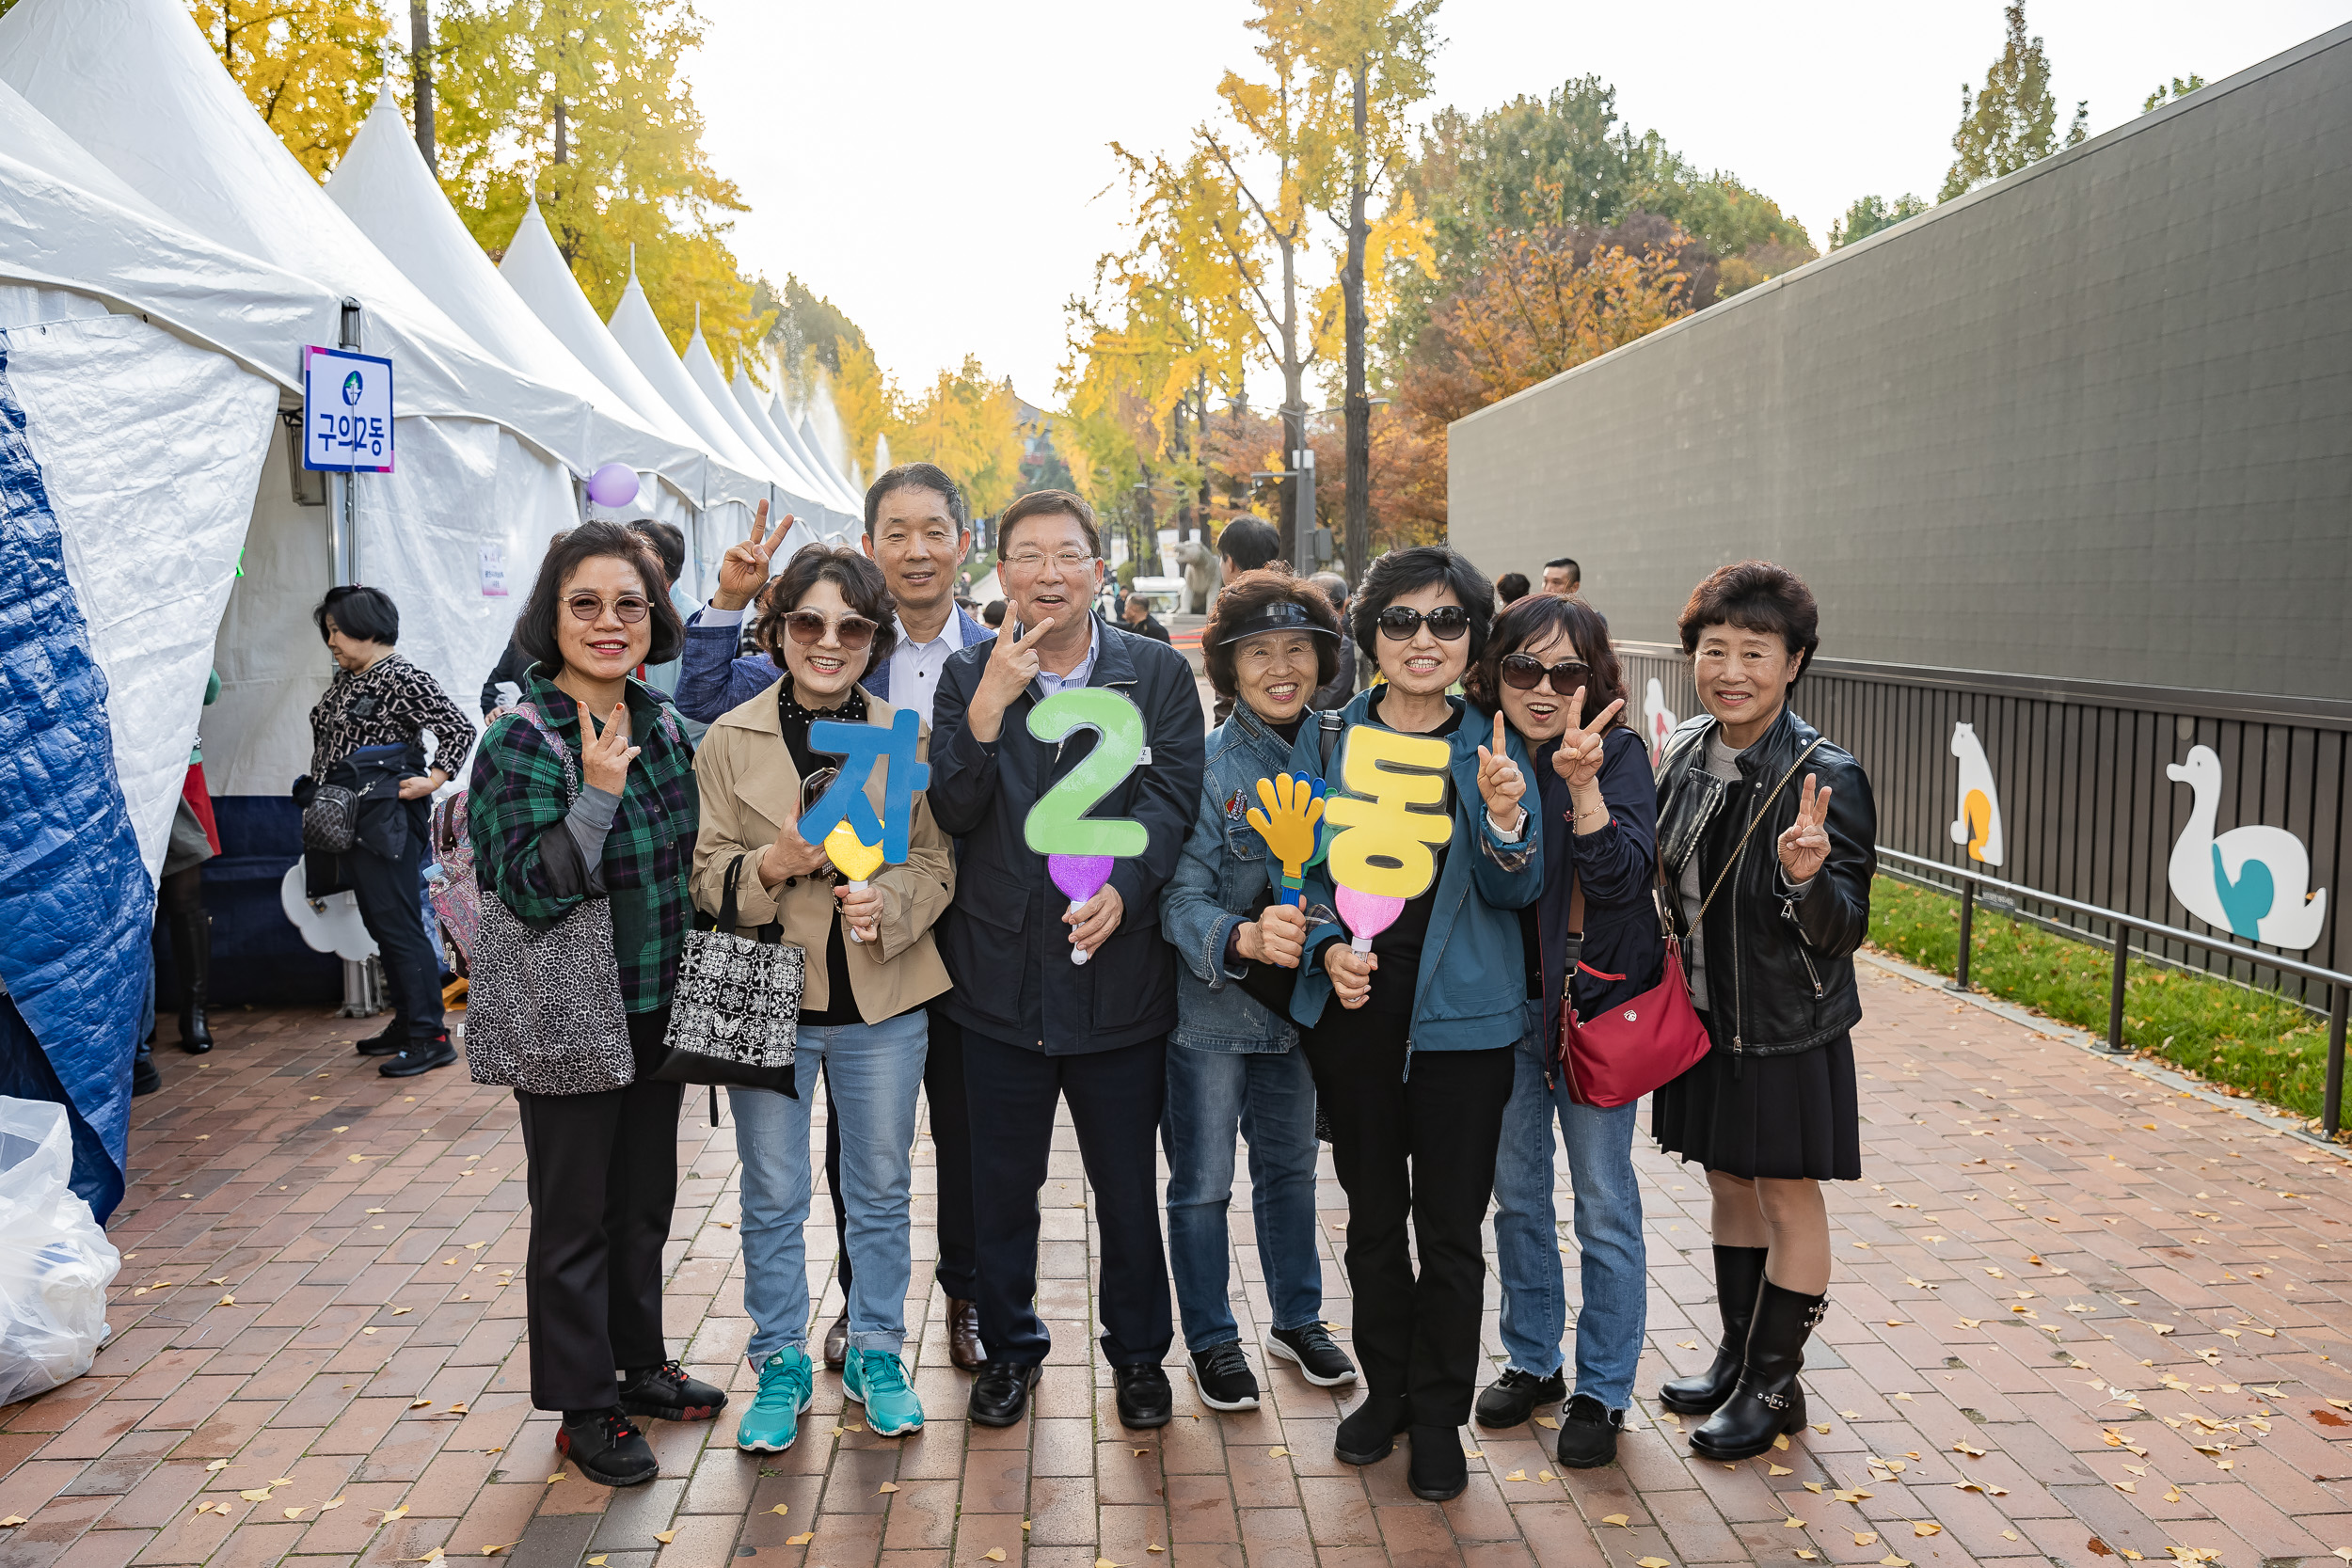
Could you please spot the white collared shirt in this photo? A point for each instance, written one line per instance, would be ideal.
(914, 667)
(1050, 683)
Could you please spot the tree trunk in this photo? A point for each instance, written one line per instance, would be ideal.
(420, 70)
(562, 148)
(1357, 545)
(1201, 411)
(1183, 451)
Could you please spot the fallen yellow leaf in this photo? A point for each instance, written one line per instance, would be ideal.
(665, 1536)
(332, 1503)
(596, 1561)
(1925, 1526)
(1651, 1562)
(994, 1554)
(13, 1521)
(1277, 1451)
(258, 1495)
(1779, 1470)
(801, 1540)
(1781, 1442)
(781, 1508)
(1547, 1422)
(392, 1513)
(886, 1486)
(295, 1512)
(217, 1465)
(1516, 1475)
(419, 1405)
(1793, 1522)
(1621, 1520)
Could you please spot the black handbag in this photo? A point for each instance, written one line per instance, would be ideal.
(330, 817)
(735, 1017)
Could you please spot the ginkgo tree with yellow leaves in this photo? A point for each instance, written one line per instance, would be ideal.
(965, 421)
(307, 67)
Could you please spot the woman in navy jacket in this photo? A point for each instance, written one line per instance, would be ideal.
(1550, 672)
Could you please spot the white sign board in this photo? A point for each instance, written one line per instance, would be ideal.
(494, 571)
(346, 411)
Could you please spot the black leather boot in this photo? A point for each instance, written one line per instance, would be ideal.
(1368, 1434)
(192, 954)
(1769, 1400)
(1738, 1275)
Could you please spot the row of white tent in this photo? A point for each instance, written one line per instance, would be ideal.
(164, 262)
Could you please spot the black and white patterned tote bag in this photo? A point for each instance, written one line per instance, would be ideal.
(737, 1017)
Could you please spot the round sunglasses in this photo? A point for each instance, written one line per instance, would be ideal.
(1525, 673)
(1448, 623)
(807, 627)
(629, 608)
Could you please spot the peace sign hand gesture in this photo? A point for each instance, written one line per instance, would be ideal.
(1804, 848)
(1011, 666)
(743, 570)
(1579, 758)
(1500, 784)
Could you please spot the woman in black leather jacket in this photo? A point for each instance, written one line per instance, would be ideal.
(1766, 836)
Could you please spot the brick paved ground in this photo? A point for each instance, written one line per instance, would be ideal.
(2115, 1312)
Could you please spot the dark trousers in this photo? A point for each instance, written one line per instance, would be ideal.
(391, 893)
(951, 1141)
(603, 1182)
(1115, 1099)
(1421, 1147)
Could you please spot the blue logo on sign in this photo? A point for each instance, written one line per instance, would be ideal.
(351, 390)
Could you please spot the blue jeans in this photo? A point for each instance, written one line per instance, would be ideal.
(1270, 1096)
(1609, 1325)
(872, 1071)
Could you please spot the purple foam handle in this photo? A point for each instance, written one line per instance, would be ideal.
(1367, 914)
(1080, 878)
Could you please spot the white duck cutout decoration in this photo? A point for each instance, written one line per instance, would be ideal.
(2252, 880)
(1979, 825)
(1658, 716)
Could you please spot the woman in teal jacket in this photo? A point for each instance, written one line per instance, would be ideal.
(1413, 1064)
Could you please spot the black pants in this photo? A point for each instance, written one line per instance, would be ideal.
(1421, 1147)
(603, 1182)
(1115, 1099)
(391, 891)
(958, 1274)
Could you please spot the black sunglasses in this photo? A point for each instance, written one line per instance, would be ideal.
(1448, 623)
(1525, 673)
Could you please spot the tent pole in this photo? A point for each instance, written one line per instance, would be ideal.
(344, 551)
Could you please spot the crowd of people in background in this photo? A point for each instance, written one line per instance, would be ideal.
(649, 760)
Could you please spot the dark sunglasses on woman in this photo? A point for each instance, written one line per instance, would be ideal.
(1525, 673)
(629, 608)
(807, 627)
(1448, 623)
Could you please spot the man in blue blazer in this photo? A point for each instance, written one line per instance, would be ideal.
(1038, 1028)
(918, 532)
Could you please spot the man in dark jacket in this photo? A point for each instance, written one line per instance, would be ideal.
(1037, 1026)
(1140, 620)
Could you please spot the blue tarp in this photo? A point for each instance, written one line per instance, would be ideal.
(75, 901)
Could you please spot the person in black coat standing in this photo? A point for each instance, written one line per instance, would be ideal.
(1038, 1027)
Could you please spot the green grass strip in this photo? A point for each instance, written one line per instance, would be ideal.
(2241, 1041)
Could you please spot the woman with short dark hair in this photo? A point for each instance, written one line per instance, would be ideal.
(1770, 882)
(585, 790)
(1590, 942)
(871, 965)
(367, 734)
(1233, 1066)
(1414, 1074)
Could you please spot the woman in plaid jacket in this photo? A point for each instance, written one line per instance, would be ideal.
(565, 808)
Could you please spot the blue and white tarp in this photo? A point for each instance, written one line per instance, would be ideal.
(128, 463)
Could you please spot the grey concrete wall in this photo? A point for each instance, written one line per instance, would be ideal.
(2092, 422)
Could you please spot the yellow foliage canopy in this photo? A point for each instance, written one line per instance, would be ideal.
(308, 67)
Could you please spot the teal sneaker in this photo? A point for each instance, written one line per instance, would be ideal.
(773, 1421)
(878, 1380)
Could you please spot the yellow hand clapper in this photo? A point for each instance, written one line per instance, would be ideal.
(1288, 826)
(1387, 826)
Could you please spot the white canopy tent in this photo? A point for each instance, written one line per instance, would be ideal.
(798, 493)
(829, 489)
(486, 454)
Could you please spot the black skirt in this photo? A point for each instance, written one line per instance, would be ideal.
(1778, 1116)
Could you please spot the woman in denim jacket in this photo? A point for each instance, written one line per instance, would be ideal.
(1232, 1063)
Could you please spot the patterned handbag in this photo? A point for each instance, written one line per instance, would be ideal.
(736, 1018)
(543, 1008)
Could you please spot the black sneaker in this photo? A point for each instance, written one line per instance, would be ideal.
(1222, 1374)
(667, 1393)
(1588, 1434)
(607, 1448)
(1319, 1359)
(1144, 1397)
(1439, 1470)
(386, 1042)
(416, 1058)
(1367, 1434)
(1512, 1398)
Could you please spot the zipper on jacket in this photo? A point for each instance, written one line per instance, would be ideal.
(1811, 973)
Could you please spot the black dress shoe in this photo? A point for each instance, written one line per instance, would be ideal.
(607, 1448)
(1588, 1434)
(419, 1057)
(837, 1342)
(1738, 1275)
(963, 1335)
(387, 1041)
(1000, 1395)
(1367, 1436)
(1511, 1399)
(1144, 1397)
(1440, 1470)
(144, 1078)
(1769, 1400)
(1311, 1347)
(668, 1393)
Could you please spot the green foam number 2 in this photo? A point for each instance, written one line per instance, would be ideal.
(1058, 823)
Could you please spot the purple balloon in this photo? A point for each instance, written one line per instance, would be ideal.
(1079, 877)
(612, 486)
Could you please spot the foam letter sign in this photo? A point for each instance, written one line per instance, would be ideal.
(1079, 848)
(1393, 812)
(860, 747)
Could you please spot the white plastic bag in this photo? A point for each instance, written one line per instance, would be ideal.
(55, 1263)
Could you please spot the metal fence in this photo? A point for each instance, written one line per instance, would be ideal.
(2088, 811)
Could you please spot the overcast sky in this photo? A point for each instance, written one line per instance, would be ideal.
(940, 170)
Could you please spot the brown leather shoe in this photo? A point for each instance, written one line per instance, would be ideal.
(837, 1342)
(963, 1335)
